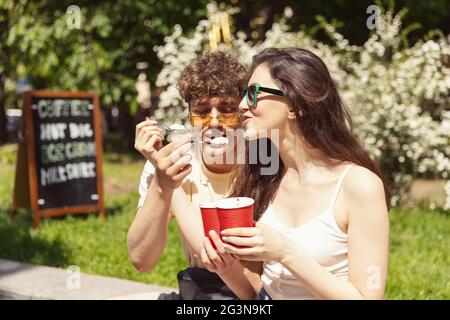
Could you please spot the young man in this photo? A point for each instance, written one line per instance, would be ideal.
(174, 182)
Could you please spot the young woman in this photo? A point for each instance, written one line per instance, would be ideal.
(323, 229)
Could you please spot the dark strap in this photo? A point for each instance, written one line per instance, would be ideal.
(200, 284)
(263, 295)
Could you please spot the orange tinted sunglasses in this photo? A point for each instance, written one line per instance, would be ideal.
(231, 119)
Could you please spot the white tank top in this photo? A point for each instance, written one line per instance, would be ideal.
(321, 238)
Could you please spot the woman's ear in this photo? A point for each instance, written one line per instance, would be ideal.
(291, 114)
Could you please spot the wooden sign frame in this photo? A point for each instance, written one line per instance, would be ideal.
(27, 153)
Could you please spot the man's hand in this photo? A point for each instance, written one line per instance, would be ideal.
(172, 163)
(217, 260)
(148, 139)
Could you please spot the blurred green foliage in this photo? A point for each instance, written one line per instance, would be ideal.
(101, 55)
(350, 16)
(35, 40)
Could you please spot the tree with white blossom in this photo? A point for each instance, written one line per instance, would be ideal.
(399, 96)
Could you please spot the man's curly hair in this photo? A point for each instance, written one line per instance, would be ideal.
(213, 74)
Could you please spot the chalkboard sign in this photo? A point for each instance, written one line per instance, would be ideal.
(61, 151)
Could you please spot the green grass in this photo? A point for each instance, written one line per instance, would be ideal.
(419, 252)
(419, 266)
(95, 246)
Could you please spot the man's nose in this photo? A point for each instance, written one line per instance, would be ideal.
(215, 123)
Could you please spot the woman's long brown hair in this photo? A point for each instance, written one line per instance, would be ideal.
(324, 123)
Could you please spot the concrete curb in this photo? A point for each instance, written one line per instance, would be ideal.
(31, 282)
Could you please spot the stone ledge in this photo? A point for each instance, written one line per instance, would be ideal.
(25, 281)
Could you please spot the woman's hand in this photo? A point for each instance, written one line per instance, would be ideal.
(217, 260)
(261, 243)
(148, 139)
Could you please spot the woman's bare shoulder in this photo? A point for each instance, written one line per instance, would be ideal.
(365, 199)
(362, 183)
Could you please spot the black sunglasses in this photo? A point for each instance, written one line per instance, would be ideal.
(251, 94)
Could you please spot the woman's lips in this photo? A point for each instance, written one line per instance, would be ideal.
(245, 120)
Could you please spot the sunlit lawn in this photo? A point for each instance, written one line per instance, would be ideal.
(419, 250)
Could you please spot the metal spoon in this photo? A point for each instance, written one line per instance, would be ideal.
(167, 128)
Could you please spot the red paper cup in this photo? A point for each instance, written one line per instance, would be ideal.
(210, 219)
(235, 212)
